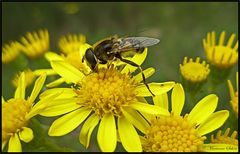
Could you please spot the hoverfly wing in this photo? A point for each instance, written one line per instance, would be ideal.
(133, 43)
(138, 42)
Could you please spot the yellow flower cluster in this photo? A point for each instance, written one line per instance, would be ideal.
(104, 90)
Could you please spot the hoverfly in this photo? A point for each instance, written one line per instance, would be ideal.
(113, 48)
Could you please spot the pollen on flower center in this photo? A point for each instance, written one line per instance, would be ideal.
(14, 116)
(106, 91)
(172, 134)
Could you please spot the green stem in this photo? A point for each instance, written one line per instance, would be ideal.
(193, 99)
(212, 88)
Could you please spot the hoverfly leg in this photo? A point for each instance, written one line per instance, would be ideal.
(136, 65)
(144, 81)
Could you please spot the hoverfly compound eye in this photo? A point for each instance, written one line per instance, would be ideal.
(91, 58)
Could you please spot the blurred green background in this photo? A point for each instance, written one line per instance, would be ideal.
(179, 26)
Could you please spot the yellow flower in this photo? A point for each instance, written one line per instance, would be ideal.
(225, 139)
(194, 71)
(71, 43)
(234, 94)
(10, 51)
(30, 77)
(99, 98)
(35, 44)
(17, 112)
(176, 133)
(220, 55)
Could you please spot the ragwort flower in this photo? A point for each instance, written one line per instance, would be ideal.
(71, 43)
(194, 74)
(234, 95)
(35, 44)
(10, 51)
(17, 112)
(225, 138)
(220, 55)
(176, 133)
(100, 98)
(29, 77)
(194, 71)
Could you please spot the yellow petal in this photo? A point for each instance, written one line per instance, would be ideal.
(147, 73)
(178, 99)
(66, 93)
(3, 101)
(230, 41)
(49, 72)
(141, 99)
(222, 37)
(20, 91)
(14, 144)
(231, 89)
(67, 71)
(136, 119)
(128, 136)
(156, 88)
(204, 108)
(4, 144)
(138, 59)
(150, 109)
(55, 83)
(37, 87)
(148, 116)
(60, 106)
(26, 134)
(68, 122)
(209, 38)
(213, 38)
(87, 128)
(212, 123)
(41, 105)
(235, 46)
(50, 56)
(107, 134)
(218, 148)
(161, 100)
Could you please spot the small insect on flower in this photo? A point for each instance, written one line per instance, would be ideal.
(113, 48)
